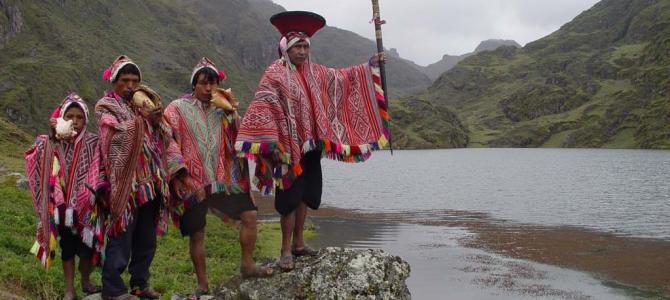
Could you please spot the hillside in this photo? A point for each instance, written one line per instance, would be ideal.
(601, 80)
(51, 47)
(447, 62)
(48, 48)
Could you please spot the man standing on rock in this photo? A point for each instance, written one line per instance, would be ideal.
(134, 181)
(301, 112)
(204, 171)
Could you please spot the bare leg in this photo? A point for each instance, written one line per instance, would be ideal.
(300, 216)
(85, 271)
(248, 239)
(287, 228)
(68, 275)
(197, 249)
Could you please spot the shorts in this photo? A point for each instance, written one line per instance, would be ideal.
(194, 218)
(306, 188)
(71, 245)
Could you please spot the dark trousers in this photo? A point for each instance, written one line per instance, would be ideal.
(137, 245)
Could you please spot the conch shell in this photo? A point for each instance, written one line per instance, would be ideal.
(146, 97)
(224, 98)
(64, 129)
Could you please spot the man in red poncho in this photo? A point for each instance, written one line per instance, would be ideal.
(133, 181)
(301, 112)
(202, 161)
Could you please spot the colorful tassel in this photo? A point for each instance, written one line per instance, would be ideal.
(69, 217)
(56, 216)
(87, 237)
(346, 150)
(35, 248)
(107, 74)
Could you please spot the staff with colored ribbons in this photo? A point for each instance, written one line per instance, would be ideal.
(376, 18)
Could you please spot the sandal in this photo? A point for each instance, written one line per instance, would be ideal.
(286, 263)
(305, 251)
(90, 288)
(198, 293)
(147, 292)
(257, 272)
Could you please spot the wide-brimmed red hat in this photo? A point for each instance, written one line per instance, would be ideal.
(298, 21)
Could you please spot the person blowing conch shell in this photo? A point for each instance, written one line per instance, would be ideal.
(224, 98)
(64, 129)
(146, 97)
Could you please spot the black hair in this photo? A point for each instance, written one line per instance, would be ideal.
(210, 76)
(128, 69)
(74, 105)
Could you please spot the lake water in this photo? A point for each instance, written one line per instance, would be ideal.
(621, 191)
(442, 268)
(626, 192)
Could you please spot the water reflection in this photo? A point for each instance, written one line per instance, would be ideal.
(443, 269)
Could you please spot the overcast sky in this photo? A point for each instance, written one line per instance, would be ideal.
(424, 30)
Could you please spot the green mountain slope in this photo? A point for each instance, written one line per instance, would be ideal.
(417, 123)
(601, 80)
(50, 47)
(447, 62)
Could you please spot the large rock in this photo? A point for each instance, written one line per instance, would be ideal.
(17, 179)
(21, 181)
(335, 273)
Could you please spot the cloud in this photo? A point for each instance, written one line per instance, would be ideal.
(424, 30)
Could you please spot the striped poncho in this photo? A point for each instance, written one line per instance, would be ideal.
(133, 162)
(58, 172)
(203, 146)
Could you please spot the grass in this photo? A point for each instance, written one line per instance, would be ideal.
(629, 51)
(21, 274)
(624, 139)
(556, 140)
(13, 142)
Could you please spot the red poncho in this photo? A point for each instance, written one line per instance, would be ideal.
(58, 172)
(132, 153)
(342, 112)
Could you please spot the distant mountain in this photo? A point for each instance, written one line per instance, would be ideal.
(493, 44)
(51, 47)
(447, 62)
(601, 80)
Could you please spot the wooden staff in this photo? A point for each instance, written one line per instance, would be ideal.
(382, 69)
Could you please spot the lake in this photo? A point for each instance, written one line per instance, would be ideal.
(621, 191)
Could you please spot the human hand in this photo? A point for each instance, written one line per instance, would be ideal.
(180, 185)
(228, 102)
(276, 155)
(377, 58)
(102, 194)
(152, 114)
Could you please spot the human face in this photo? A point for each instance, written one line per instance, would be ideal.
(126, 84)
(299, 53)
(203, 88)
(77, 116)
